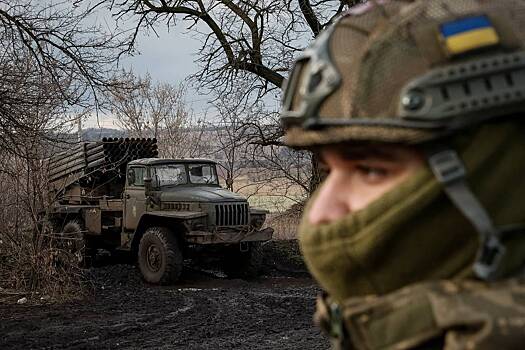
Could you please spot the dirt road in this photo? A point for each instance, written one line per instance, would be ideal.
(204, 311)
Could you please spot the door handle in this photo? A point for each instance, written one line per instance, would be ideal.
(127, 196)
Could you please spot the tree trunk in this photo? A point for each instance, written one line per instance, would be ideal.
(318, 174)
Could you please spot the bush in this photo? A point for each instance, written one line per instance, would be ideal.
(285, 224)
(31, 263)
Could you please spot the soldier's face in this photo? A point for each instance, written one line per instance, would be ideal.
(358, 175)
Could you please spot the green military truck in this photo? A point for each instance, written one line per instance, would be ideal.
(117, 195)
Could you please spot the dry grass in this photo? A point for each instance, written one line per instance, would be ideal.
(285, 224)
(284, 202)
(33, 267)
(273, 194)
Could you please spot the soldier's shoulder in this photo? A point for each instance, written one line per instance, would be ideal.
(461, 314)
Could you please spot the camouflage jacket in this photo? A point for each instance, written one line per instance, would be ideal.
(432, 315)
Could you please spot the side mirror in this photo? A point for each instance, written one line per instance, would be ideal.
(148, 184)
(151, 184)
(131, 177)
(229, 182)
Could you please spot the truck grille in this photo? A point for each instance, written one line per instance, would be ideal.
(231, 214)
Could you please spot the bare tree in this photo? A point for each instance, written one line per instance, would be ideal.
(184, 140)
(143, 108)
(247, 43)
(147, 109)
(257, 164)
(230, 146)
(50, 61)
(241, 40)
(290, 171)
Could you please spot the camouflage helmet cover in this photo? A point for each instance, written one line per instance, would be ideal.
(408, 72)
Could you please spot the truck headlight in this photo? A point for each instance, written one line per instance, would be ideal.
(256, 221)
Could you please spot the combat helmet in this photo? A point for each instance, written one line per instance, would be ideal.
(414, 72)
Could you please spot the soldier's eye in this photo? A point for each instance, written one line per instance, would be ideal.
(372, 173)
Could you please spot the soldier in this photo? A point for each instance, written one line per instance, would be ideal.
(417, 234)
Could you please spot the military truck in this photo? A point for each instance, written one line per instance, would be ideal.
(117, 195)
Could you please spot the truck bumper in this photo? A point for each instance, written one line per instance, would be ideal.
(227, 237)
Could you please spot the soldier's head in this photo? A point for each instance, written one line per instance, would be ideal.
(415, 108)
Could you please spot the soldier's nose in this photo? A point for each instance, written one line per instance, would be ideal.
(331, 202)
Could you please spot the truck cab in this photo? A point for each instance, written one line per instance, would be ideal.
(168, 184)
(185, 199)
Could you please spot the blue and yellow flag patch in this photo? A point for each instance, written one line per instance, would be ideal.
(468, 34)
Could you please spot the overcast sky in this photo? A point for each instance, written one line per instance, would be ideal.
(167, 58)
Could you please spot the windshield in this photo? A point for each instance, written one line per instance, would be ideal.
(170, 174)
(203, 174)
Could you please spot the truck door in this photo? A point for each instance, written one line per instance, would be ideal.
(134, 196)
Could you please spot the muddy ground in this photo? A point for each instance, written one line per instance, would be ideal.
(205, 310)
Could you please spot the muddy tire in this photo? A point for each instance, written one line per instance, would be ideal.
(248, 265)
(72, 241)
(160, 256)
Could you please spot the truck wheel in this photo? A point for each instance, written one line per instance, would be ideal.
(160, 256)
(247, 265)
(71, 239)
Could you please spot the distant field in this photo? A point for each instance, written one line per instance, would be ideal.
(283, 201)
(274, 204)
(274, 195)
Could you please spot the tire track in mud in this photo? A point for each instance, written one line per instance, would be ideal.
(248, 323)
(202, 312)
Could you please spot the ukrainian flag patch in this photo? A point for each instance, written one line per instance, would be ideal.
(468, 34)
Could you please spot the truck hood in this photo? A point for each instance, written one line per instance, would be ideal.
(199, 194)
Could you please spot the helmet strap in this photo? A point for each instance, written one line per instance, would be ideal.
(449, 170)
